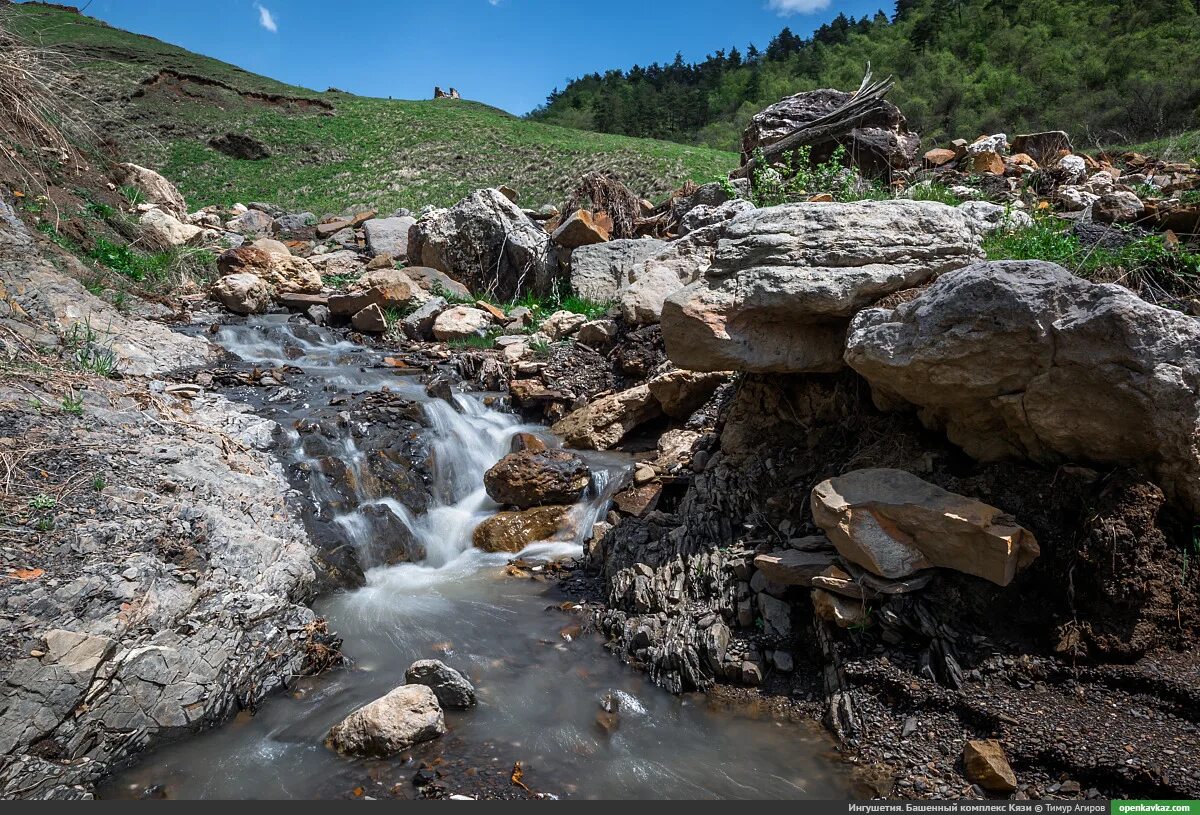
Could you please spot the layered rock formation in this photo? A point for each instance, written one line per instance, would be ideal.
(786, 280)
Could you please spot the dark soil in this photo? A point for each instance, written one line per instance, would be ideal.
(1085, 667)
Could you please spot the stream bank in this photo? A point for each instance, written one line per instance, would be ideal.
(579, 724)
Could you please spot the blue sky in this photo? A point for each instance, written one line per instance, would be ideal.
(508, 53)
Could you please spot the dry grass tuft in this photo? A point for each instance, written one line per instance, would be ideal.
(38, 125)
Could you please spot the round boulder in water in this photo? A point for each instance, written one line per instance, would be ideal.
(534, 478)
(452, 689)
(513, 531)
(408, 715)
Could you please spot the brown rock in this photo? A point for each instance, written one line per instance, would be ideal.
(987, 766)
(243, 260)
(791, 567)
(386, 288)
(841, 611)
(361, 218)
(893, 524)
(603, 423)
(331, 228)
(987, 162)
(370, 320)
(536, 478)
(1183, 220)
(495, 311)
(939, 157)
(582, 228)
(638, 501)
(282, 272)
(529, 392)
(384, 261)
(513, 531)
(527, 441)
(681, 393)
(837, 581)
(1023, 160)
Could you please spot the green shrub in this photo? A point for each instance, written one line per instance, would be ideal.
(1159, 272)
(158, 270)
(802, 179)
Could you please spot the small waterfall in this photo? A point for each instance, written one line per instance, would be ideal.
(466, 438)
(539, 678)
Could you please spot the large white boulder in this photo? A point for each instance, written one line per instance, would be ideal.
(169, 229)
(461, 322)
(154, 188)
(408, 715)
(486, 242)
(1025, 360)
(243, 293)
(600, 270)
(388, 236)
(786, 280)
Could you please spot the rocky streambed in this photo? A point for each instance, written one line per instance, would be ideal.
(390, 481)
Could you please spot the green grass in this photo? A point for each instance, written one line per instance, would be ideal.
(588, 308)
(338, 281)
(153, 270)
(482, 342)
(1184, 147)
(1157, 271)
(84, 347)
(934, 192)
(376, 153)
(72, 404)
(541, 306)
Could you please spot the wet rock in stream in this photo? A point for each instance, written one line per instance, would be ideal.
(354, 512)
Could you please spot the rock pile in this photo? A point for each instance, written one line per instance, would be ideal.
(1126, 188)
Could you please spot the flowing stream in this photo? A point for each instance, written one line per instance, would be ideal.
(540, 680)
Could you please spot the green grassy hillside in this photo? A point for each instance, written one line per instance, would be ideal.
(329, 151)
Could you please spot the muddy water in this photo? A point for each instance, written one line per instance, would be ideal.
(540, 680)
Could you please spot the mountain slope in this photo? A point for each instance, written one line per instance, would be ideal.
(1109, 72)
(160, 105)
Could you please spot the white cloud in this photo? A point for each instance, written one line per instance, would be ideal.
(267, 20)
(785, 7)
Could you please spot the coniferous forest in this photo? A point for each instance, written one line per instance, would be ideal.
(1110, 71)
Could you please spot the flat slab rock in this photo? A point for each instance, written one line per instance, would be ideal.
(602, 424)
(792, 567)
(786, 280)
(893, 524)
